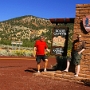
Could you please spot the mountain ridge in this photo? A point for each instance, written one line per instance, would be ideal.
(22, 27)
(27, 29)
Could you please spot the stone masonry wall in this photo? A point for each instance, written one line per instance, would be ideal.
(83, 10)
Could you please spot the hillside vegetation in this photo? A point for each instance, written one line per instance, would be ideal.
(27, 29)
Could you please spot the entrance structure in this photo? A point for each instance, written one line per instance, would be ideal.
(82, 11)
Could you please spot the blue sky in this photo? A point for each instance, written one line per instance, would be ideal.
(40, 8)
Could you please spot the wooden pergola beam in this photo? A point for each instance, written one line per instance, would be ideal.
(62, 20)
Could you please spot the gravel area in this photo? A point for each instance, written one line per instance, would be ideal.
(19, 75)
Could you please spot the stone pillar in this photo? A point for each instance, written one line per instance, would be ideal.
(83, 10)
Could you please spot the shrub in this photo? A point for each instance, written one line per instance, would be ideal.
(16, 53)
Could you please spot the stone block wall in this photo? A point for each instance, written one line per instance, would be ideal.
(83, 10)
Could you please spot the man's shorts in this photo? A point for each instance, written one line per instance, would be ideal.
(41, 57)
(76, 58)
(68, 58)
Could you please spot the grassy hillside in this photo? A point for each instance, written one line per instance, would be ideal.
(28, 29)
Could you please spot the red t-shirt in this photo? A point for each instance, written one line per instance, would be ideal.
(41, 46)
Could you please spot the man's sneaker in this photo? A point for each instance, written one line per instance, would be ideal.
(38, 72)
(45, 70)
(76, 75)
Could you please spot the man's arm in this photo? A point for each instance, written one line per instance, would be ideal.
(34, 51)
(81, 51)
(83, 48)
(47, 50)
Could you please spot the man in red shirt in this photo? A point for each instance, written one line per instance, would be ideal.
(39, 51)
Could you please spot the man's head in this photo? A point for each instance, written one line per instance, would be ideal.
(42, 38)
(79, 37)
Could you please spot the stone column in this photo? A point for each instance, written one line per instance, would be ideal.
(83, 10)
